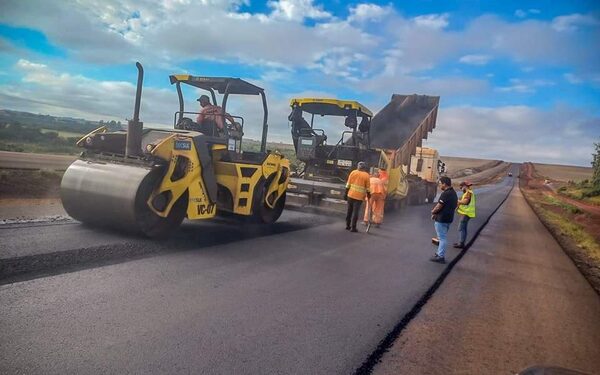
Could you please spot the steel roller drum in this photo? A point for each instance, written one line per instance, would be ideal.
(108, 193)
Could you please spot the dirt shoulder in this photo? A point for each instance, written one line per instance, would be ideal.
(514, 300)
(574, 224)
(29, 195)
(16, 183)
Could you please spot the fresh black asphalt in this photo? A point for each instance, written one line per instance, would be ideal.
(305, 297)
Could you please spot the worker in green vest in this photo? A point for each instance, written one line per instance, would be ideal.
(466, 210)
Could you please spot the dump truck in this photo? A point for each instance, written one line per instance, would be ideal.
(390, 140)
(147, 180)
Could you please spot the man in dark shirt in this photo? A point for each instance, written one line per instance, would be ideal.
(443, 214)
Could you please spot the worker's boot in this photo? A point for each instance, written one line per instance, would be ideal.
(437, 259)
(353, 230)
(459, 245)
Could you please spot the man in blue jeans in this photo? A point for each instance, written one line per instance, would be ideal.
(443, 214)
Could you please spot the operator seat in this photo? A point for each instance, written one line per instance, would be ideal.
(301, 128)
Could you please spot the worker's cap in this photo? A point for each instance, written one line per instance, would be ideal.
(362, 165)
(465, 183)
(203, 98)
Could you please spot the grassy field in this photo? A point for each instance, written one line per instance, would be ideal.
(454, 163)
(39, 148)
(576, 228)
(63, 133)
(583, 191)
(563, 172)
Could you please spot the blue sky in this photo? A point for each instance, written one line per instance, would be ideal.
(518, 80)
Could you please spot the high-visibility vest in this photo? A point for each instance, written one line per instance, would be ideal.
(467, 209)
(377, 186)
(358, 185)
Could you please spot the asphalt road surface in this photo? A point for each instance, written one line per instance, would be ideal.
(303, 297)
(23, 160)
(515, 300)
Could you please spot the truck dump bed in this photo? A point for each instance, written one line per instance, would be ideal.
(403, 124)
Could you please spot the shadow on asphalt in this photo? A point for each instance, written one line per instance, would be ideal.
(191, 236)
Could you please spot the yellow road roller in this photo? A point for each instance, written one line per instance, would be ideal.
(149, 180)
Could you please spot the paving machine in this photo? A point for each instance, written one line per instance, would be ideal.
(390, 140)
(149, 180)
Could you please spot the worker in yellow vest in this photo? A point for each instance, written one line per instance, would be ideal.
(357, 188)
(377, 201)
(466, 210)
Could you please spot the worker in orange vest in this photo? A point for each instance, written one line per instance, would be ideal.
(377, 200)
(383, 176)
(357, 188)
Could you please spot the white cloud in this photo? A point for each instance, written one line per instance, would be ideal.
(48, 91)
(574, 21)
(572, 78)
(167, 33)
(525, 86)
(524, 13)
(475, 59)
(368, 12)
(559, 135)
(517, 133)
(433, 21)
(297, 10)
(520, 13)
(45, 90)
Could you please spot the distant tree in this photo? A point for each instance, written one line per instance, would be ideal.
(596, 165)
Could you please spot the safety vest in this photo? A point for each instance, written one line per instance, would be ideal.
(358, 185)
(467, 209)
(377, 186)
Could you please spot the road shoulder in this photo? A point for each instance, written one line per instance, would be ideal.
(514, 300)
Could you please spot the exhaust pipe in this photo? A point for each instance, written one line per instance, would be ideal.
(134, 127)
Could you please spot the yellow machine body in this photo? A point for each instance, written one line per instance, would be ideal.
(240, 179)
(149, 180)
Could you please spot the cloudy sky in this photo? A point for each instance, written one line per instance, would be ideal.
(518, 80)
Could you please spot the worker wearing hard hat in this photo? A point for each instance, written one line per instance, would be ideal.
(376, 202)
(357, 188)
(466, 210)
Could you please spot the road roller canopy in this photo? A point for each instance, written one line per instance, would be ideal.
(225, 86)
(221, 85)
(330, 107)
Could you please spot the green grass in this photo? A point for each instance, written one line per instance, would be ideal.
(63, 134)
(39, 148)
(558, 203)
(286, 149)
(576, 232)
(584, 191)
